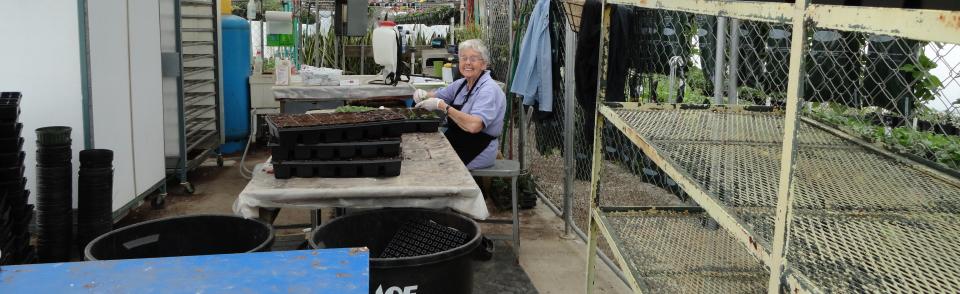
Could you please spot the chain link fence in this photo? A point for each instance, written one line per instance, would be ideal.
(878, 150)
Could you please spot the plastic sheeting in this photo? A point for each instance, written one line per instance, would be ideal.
(363, 89)
(431, 176)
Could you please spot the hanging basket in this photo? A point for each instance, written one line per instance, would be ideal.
(573, 9)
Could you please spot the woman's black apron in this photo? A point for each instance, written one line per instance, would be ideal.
(467, 145)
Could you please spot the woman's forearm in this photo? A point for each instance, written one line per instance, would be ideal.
(469, 123)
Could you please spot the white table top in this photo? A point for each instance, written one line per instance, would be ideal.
(431, 176)
(364, 89)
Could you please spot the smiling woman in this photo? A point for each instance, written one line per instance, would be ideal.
(475, 106)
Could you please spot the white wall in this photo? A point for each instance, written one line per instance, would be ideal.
(40, 56)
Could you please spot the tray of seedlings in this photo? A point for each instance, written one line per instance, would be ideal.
(291, 129)
(418, 120)
(388, 147)
(372, 167)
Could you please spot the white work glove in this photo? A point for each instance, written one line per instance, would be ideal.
(429, 104)
(419, 95)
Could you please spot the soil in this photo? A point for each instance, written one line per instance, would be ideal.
(417, 113)
(327, 119)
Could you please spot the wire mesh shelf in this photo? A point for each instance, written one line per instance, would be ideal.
(678, 252)
(866, 221)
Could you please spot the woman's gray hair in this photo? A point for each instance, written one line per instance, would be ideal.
(476, 45)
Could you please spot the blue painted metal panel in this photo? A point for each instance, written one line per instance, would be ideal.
(342, 270)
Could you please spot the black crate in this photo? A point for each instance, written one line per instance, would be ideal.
(343, 150)
(388, 167)
(420, 236)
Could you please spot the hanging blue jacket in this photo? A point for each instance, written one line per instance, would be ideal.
(533, 79)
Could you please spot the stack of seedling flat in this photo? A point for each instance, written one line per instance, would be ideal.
(351, 143)
(15, 214)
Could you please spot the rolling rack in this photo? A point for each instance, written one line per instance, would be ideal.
(856, 217)
(200, 104)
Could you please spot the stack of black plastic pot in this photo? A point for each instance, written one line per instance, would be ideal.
(94, 195)
(15, 214)
(54, 194)
(343, 145)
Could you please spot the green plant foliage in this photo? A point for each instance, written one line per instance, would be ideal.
(935, 147)
(690, 94)
(351, 108)
(437, 15)
(926, 85)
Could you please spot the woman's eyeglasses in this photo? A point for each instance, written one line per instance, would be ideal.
(471, 59)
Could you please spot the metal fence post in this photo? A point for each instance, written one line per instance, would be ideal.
(734, 62)
(718, 63)
(569, 115)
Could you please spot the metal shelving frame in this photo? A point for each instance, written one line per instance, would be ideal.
(201, 102)
(786, 216)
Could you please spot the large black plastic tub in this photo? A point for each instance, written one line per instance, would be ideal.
(385, 167)
(182, 236)
(343, 150)
(446, 271)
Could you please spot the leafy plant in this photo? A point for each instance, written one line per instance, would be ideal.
(926, 86)
(351, 108)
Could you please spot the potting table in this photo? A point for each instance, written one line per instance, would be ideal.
(342, 270)
(431, 176)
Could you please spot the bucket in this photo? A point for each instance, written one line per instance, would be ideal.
(411, 250)
(182, 236)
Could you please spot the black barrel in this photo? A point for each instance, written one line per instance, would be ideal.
(885, 83)
(94, 195)
(707, 42)
(430, 249)
(832, 67)
(182, 236)
(777, 60)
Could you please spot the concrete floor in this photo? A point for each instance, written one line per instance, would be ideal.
(554, 264)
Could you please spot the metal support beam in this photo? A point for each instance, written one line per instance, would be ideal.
(785, 196)
(597, 162)
(734, 71)
(748, 10)
(921, 24)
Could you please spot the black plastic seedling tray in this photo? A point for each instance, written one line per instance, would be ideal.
(335, 127)
(9, 106)
(12, 159)
(419, 120)
(385, 167)
(343, 150)
(11, 172)
(11, 145)
(421, 126)
(10, 130)
(337, 133)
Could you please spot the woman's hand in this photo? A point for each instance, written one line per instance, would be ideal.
(431, 104)
(420, 95)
